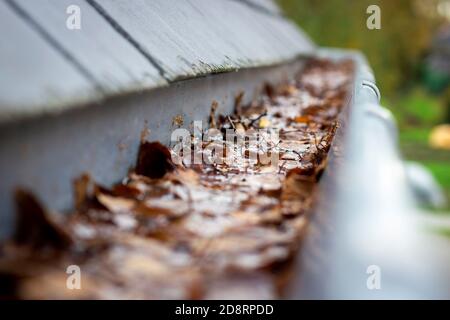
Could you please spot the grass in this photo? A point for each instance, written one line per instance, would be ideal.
(437, 161)
(417, 111)
(441, 171)
(414, 135)
(444, 232)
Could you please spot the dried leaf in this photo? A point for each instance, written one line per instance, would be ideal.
(198, 230)
(302, 119)
(35, 227)
(264, 123)
(212, 114)
(83, 191)
(116, 204)
(154, 160)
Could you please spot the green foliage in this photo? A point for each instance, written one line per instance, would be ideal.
(441, 171)
(396, 54)
(414, 136)
(435, 80)
(393, 52)
(417, 108)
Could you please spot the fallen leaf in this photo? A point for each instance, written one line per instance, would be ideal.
(154, 160)
(35, 227)
(116, 204)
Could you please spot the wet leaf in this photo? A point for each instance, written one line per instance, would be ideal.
(116, 204)
(191, 231)
(35, 227)
(154, 160)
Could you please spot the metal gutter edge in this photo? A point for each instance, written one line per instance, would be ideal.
(366, 221)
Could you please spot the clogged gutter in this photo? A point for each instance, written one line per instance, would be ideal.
(179, 229)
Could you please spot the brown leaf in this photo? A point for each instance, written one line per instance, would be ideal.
(130, 190)
(35, 227)
(115, 204)
(169, 208)
(172, 232)
(185, 176)
(302, 119)
(154, 160)
(83, 191)
(212, 114)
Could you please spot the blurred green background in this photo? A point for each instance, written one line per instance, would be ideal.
(410, 56)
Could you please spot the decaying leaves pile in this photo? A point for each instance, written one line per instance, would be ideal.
(182, 231)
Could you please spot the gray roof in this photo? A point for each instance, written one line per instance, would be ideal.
(129, 46)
